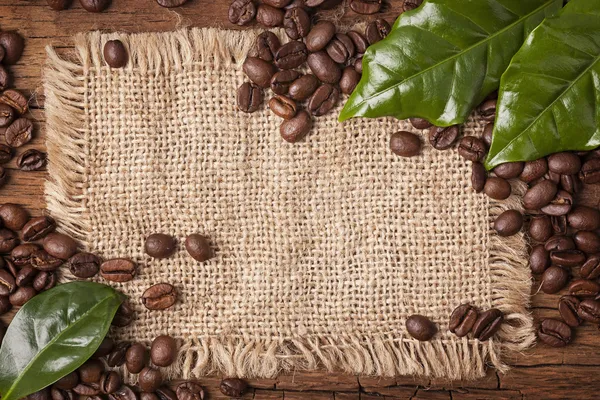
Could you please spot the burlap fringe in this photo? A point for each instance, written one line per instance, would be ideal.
(391, 355)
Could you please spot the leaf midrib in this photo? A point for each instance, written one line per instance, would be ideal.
(49, 344)
(465, 51)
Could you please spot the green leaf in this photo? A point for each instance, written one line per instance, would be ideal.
(53, 334)
(549, 96)
(442, 59)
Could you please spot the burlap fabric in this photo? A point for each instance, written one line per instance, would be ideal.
(323, 248)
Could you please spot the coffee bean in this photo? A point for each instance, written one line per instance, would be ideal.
(19, 132)
(509, 170)
(15, 99)
(559, 243)
(508, 223)
(564, 163)
(3, 176)
(277, 3)
(409, 5)
(91, 371)
(59, 5)
(471, 148)
(540, 195)
(31, 160)
(559, 224)
(249, 97)
(44, 281)
(487, 134)
(540, 228)
(487, 110)
(591, 268)
(584, 288)
(377, 30)
(21, 255)
(125, 393)
(420, 123)
(163, 351)
(349, 80)
(58, 394)
(478, 177)
(588, 242)
(115, 54)
(554, 177)
(291, 55)
(323, 4)
(198, 247)
(462, 320)
(319, 36)
(135, 358)
(534, 170)
(116, 357)
(164, 393)
(149, 396)
(267, 44)
(6, 152)
(359, 67)
(283, 107)
(442, 138)
(567, 307)
(567, 258)
(43, 261)
(590, 171)
(554, 279)
(360, 41)
(87, 389)
(589, 310)
(281, 81)
(118, 270)
(67, 382)
(497, 188)
(303, 87)
(7, 283)
(159, 245)
(580, 218)
(60, 245)
(21, 296)
(7, 115)
(13, 45)
(259, 71)
(8, 240)
(296, 128)
(554, 333)
(159, 297)
(268, 16)
(365, 6)
(296, 22)
(95, 6)
(150, 379)
(25, 276)
(84, 265)
(560, 205)
(323, 100)
(420, 327)
(241, 12)
(5, 306)
(124, 316)
(341, 48)
(105, 348)
(190, 391)
(487, 324)
(5, 78)
(570, 183)
(110, 382)
(324, 67)
(171, 3)
(539, 259)
(405, 144)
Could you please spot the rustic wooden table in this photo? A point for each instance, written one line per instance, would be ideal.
(541, 373)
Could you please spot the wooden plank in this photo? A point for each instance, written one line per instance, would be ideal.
(318, 380)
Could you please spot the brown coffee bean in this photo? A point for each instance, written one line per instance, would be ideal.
(3, 176)
(283, 107)
(198, 247)
(31, 160)
(277, 3)
(171, 3)
(159, 297)
(190, 391)
(44, 281)
(487, 110)
(508, 223)
(6, 152)
(341, 48)
(584, 288)
(589, 310)
(249, 97)
(319, 36)
(118, 270)
(591, 268)
(349, 80)
(22, 254)
(115, 54)
(124, 316)
(534, 170)
(281, 81)
(540, 228)
(19, 132)
(471, 148)
(7, 283)
(360, 41)
(564, 163)
(267, 44)
(420, 123)
(87, 389)
(116, 357)
(105, 348)
(13, 45)
(567, 307)
(163, 351)
(478, 176)
(409, 5)
(539, 259)
(554, 177)
(323, 100)
(405, 144)
(150, 379)
(559, 224)
(5, 306)
(580, 218)
(590, 171)
(421, 327)
(570, 183)
(559, 243)
(497, 188)
(7, 116)
(303, 87)
(324, 67)
(487, 324)
(296, 128)
(125, 393)
(59, 5)
(365, 6)
(588, 242)
(296, 22)
(358, 66)
(462, 320)
(241, 12)
(291, 55)
(442, 138)
(259, 71)
(554, 279)
(110, 382)
(84, 265)
(269, 17)
(67, 382)
(540, 195)
(377, 30)
(15, 99)
(91, 371)
(13, 216)
(487, 134)
(5, 78)
(554, 333)
(233, 387)
(21, 296)
(160, 245)
(135, 358)
(560, 205)
(322, 4)
(164, 393)
(8, 240)
(60, 245)
(567, 258)
(95, 6)
(43, 261)
(509, 170)
(26, 275)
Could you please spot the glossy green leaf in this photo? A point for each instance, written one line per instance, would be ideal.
(53, 334)
(549, 96)
(443, 58)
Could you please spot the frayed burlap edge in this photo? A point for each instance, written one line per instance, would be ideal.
(159, 53)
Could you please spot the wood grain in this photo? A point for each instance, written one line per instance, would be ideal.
(540, 373)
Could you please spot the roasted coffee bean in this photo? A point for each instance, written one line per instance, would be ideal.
(277, 3)
(296, 128)
(105, 348)
(115, 54)
(442, 138)
(26, 275)
(67, 382)
(324, 67)
(7, 283)
(554, 279)
(589, 310)
(567, 307)
(591, 268)
(359, 67)
(19, 132)
(159, 297)
(118, 270)
(283, 107)
(281, 81)
(570, 183)
(95, 6)
(462, 320)
(242, 12)
(559, 224)
(296, 22)
(125, 393)
(588, 242)
(59, 5)
(8, 240)
(509, 170)
(487, 110)
(110, 382)
(190, 391)
(540, 195)
(58, 394)
(44, 281)
(539, 259)
(60, 245)
(560, 205)
(303, 87)
(84, 265)
(377, 30)
(360, 41)
(471, 148)
(564, 163)
(349, 80)
(323, 100)
(21, 296)
(3, 176)
(135, 358)
(420, 327)
(487, 134)
(487, 324)
(171, 3)
(13, 216)
(37, 228)
(540, 228)
(267, 44)
(163, 351)
(559, 243)
(164, 393)
(233, 387)
(567, 258)
(268, 16)
(198, 247)
(259, 71)
(420, 123)
(43, 394)
(341, 48)
(124, 316)
(5, 78)
(15, 100)
(478, 177)
(116, 357)
(6, 152)
(13, 45)
(22, 254)
(160, 245)
(291, 55)
(322, 4)
(87, 389)
(319, 36)
(91, 371)
(534, 170)
(554, 333)
(249, 97)
(590, 171)
(409, 5)
(150, 379)
(7, 116)
(554, 177)
(497, 188)
(508, 223)
(580, 218)
(584, 288)
(31, 160)
(405, 144)
(365, 6)
(5, 305)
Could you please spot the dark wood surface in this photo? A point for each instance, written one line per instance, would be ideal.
(541, 373)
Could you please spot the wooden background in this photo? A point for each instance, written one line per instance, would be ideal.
(541, 373)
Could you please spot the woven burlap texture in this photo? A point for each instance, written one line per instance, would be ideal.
(323, 247)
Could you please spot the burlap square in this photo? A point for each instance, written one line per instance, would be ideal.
(323, 248)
